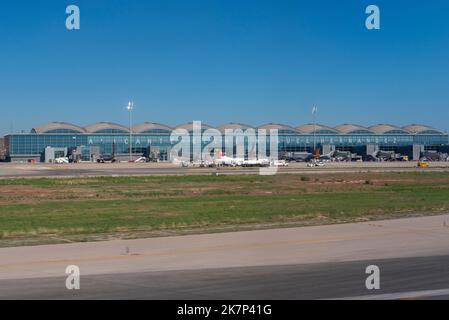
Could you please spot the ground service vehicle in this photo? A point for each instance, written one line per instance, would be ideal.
(423, 164)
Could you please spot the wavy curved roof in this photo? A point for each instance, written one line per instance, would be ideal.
(309, 128)
(387, 128)
(189, 126)
(234, 126)
(102, 126)
(149, 126)
(278, 126)
(63, 127)
(420, 128)
(351, 128)
(54, 126)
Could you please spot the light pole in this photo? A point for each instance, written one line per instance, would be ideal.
(74, 148)
(314, 111)
(130, 108)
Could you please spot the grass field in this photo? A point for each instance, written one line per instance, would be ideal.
(82, 208)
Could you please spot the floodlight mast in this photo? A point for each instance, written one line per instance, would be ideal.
(130, 108)
(314, 112)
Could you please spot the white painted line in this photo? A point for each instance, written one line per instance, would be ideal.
(400, 295)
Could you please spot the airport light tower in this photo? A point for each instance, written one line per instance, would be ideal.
(314, 112)
(130, 108)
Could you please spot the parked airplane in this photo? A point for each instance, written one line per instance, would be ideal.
(256, 163)
(228, 161)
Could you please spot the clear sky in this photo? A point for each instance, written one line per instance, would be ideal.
(218, 61)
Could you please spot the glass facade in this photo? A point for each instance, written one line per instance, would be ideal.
(35, 144)
(117, 141)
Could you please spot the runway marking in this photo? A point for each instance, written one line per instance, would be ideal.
(400, 295)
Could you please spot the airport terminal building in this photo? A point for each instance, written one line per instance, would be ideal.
(58, 139)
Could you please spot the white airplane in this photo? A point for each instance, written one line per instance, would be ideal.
(224, 161)
(256, 163)
(250, 163)
(227, 161)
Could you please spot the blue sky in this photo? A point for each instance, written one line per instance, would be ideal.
(249, 61)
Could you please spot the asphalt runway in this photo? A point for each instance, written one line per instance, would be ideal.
(319, 262)
(12, 170)
(407, 278)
